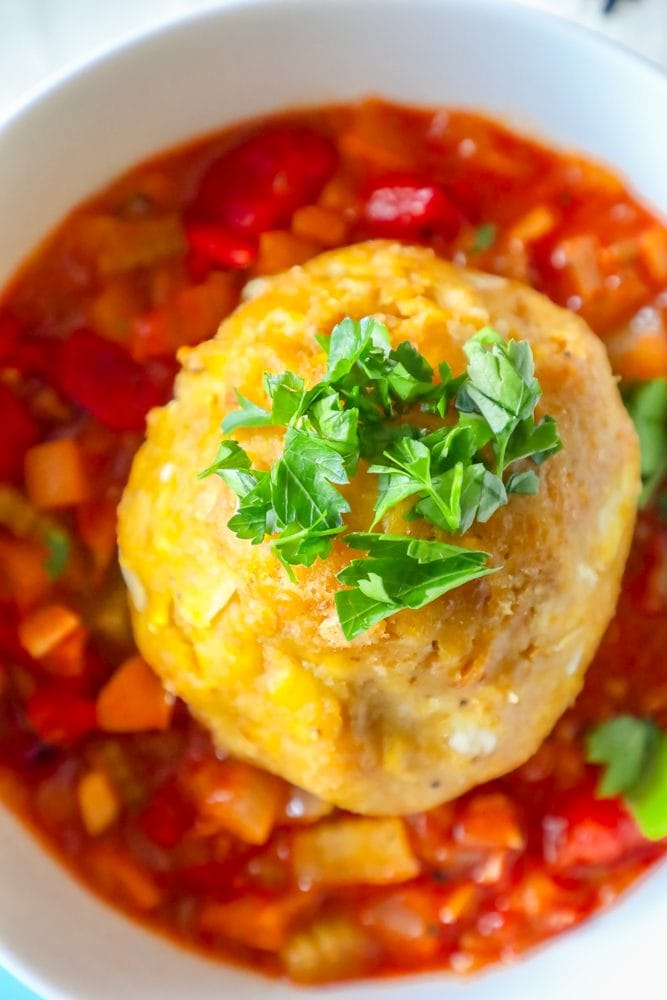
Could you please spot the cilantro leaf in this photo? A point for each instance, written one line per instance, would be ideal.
(400, 573)
(633, 753)
(647, 406)
(301, 482)
(286, 393)
(484, 238)
(58, 545)
(348, 342)
(249, 415)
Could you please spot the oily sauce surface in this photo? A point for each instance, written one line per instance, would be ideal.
(136, 802)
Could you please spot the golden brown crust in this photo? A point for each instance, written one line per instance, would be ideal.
(429, 702)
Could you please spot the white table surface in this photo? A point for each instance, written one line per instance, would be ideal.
(40, 38)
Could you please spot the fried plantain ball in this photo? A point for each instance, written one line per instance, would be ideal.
(430, 702)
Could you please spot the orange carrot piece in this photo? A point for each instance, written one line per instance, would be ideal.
(45, 628)
(23, 576)
(67, 659)
(325, 226)
(640, 357)
(55, 474)
(110, 314)
(236, 797)
(256, 921)
(653, 252)
(536, 223)
(134, 700)
(279, 250)
(489, 821)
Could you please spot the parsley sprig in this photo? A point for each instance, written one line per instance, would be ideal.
(461, 472)
(633, 753)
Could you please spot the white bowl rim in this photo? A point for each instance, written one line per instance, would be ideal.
(72, 74)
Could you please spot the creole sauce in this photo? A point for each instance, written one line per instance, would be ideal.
(117, 779)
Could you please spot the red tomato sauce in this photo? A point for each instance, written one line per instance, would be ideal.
(117, 779)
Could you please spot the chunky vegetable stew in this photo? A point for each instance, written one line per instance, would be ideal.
(109, 769)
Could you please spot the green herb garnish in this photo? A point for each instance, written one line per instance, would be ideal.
(634, 755)
(450, 477)
(484, 238)
(57, 552)
(647, 405)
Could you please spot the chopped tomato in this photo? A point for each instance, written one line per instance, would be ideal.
(586, 830)
(61, 716)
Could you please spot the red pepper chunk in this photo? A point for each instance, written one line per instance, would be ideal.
(60, 716)
(168, 816)
(404, 206)
(19, 433)
(102, 378)
(259, 185)
(219, 246)
(585, 830)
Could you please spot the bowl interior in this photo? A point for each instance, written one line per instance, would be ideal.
(536, 72)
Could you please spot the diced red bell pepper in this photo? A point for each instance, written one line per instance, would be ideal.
(585, 830)
(258, 185)
(403, 206)
(218, 246)
(168, 816)
(60, 716)
(19, 433)
(102, 378)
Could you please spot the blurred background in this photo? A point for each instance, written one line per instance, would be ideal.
(40, 37)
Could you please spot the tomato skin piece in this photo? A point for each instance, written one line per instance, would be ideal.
(259, 185)
(101, 377)
(19, 433)
(10, 330)
(404, 206)
(59, 716)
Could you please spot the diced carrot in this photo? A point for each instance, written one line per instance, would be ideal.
(68, 658)
(653, 251)
(377, 138)
(354, 849)
(134, 700)
(120, 876)
(323, 225)
(489, 821)
(536, 223)
(257, 921)
(118, 245)
(45, 628)
(55, 474)
(234, 796)
(456, 902)
(338, 195)
(111, 313)
(580, 255)
(279, 250)
(194, 315)
(638, 357)
(98, 802)
(23, 576)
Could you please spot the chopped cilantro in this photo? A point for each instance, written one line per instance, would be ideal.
(484, 238)
(450, 477)
(634, 755)
(647, 405)
(57, 548)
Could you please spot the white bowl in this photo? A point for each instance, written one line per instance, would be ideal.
(242, 59)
